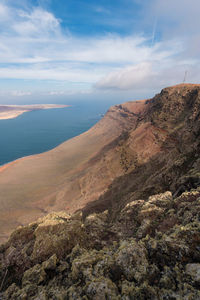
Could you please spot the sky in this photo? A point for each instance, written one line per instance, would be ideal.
(78, 49)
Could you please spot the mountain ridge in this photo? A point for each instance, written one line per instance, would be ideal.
(23, 172)
(132, 138)
(138, 234)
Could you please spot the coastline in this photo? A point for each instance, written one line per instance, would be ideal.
(11, 114)
(15, 161)
(13, 111)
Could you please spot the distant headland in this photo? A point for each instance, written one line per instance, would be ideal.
(13, 111)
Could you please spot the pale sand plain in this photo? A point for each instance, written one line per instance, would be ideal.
(13, 111)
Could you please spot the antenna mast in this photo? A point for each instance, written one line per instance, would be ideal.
(184, 79)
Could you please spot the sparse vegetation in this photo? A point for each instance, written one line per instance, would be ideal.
(141, 238)
(150, 251)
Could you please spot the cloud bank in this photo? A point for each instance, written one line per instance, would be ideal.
(35, 46)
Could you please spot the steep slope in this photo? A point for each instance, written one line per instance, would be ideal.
(58, 179)
(138, 149)
(125, 244)
(166, 147)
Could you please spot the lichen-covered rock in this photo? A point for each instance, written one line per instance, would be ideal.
(194, 271)
(151, 250)
(161, 200)
(131, 257)
(57, 233)
(144, 292)
(101, 289)
(92, 264)
(35, 275)
(51, 263)
(13, 292)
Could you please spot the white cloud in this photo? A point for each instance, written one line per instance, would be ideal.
(177, 19)
(54, 93)
(20, 93)
(127, 78)
(33, 46)
(101, 10)
(151, 76)
(35, 37)
(51, 73)
(3, 11)
(177, 10)
(178, 22)
(37, 23)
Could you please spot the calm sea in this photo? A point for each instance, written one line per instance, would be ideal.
(38, 131)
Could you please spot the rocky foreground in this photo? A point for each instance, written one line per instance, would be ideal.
(134, 227)
(150, 251)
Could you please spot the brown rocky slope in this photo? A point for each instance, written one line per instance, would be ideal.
(126, 244)
(165, 146)
(149, 145)
(67, 177)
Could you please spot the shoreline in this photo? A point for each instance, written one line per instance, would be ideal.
(5, 165)
(12, 115)
(13, 111)
(15, 161)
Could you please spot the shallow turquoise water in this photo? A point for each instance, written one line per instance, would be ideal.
(38, 131)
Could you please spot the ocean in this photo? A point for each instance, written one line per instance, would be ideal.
(38, 131)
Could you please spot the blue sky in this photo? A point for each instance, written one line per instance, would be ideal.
(106, 48)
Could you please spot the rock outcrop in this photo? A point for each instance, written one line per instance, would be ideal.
(150, 251)
(138, 149)
(133, 230)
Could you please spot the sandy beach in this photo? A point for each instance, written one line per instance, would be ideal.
(13, 111)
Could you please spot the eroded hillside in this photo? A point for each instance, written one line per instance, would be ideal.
(133, 183)
(138, 149)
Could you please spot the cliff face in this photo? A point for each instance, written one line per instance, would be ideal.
(69, 176)
(143, 147)
(164, 149)
(122, 242)
(65, 178)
